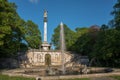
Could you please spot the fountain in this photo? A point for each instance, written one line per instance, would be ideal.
(62, 41)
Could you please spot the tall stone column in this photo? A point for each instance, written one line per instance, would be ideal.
(45, 46)
(45, 26)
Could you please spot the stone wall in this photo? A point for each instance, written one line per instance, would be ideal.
(37, 58)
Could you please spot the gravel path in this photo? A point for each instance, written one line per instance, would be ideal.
(103, 78)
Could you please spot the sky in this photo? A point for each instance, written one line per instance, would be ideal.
(73, 13)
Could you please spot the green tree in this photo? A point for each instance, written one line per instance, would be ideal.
(107, 48)
(104, 27)
(32, 35)
(78, 33)
(84, 44)
(6, 16)
(116, 14)
(13, 30)
(10, 33)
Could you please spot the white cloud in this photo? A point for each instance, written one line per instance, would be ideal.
(34, 1)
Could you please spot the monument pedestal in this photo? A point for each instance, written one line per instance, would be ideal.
(45, 46)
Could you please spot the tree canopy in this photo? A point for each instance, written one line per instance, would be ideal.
(116, 13)
(14, 30)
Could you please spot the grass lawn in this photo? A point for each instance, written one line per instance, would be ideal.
(116, 77)
(5, 77)
(76, 79)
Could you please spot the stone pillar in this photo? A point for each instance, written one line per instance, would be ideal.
(45, 46)
(45, 26)
(45, 31)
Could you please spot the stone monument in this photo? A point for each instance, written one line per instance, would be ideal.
(47, 57)
(45, 46)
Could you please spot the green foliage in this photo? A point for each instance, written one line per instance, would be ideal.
(32, 35)
(9, 30)
(13, 31)
(84, 43)
(5, 77)
(103, 43)
(77, 79)
(107, 47)
(78, 33)
(116, 13)
(116, 77)
(81, 31)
